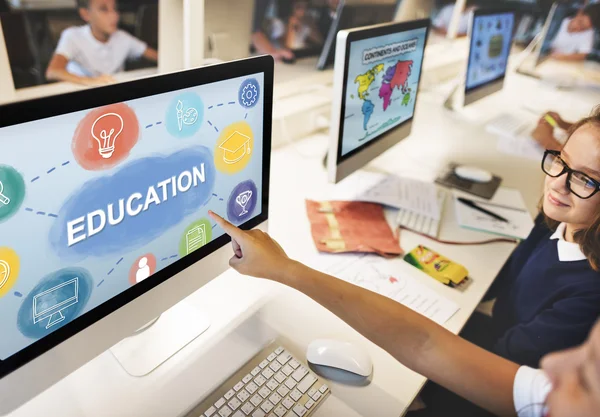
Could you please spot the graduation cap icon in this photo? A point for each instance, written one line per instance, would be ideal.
(235, 147)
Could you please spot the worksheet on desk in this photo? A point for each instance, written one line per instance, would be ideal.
(389, 278)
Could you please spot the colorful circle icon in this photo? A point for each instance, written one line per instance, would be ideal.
(195, 236)
(184, 115)
(105, 137)
(249, 93)
(12, 191)
(9, 269)
(142, 268)
(235, 147)
(242, 202)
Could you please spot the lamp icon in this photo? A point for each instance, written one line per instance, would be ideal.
(4, 200)
(106, 129)
(4, 273)
(243, 199)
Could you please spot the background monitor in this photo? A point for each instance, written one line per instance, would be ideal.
(352, 14)
(376, 84)
(107, 221)
(491, 33)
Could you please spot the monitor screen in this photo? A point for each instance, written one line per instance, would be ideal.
(94, 202)
(491, 39)
(381, 85)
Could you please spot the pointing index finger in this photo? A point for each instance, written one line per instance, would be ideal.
(230, 229)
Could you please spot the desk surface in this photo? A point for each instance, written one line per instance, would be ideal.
(247, 313)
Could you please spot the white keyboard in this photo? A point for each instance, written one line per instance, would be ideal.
(272, 384)
(420, 223)
(509, 125)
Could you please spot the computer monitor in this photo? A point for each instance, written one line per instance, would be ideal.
(105, 221)
(352, 14)
(491, 33)
(376, 84)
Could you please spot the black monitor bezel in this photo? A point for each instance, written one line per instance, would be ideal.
(375, 32)
(487, 12)
(27, 111)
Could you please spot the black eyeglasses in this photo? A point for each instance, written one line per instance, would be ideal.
(580, 184)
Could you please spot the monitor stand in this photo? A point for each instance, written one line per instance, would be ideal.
(159, 340)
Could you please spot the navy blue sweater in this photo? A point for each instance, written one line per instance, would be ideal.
(543, 305)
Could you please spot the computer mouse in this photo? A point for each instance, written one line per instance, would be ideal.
(340, 355)
(474, 174)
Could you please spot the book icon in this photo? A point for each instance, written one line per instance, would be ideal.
(195, 238)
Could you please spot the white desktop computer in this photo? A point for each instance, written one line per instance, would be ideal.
(490, 38)
(104, 199)
(376, 85)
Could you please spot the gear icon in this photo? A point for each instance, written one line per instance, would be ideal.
(249, 95)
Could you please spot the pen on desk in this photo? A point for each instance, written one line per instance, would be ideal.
(473, 205)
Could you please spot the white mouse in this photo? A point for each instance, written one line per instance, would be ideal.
(474, 174)
(340, 355)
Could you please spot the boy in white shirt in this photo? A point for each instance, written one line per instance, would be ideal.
(575, 38)
(90, 54)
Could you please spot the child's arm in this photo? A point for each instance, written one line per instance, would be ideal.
(151, 54)
(576, 57)
(57, 71)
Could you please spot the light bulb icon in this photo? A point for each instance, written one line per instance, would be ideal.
(106, 130)
(4, 273)
(4, 200)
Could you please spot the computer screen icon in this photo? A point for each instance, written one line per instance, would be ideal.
(51, 303)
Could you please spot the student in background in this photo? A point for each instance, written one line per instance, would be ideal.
(302, 29)
(442, 21)
(568, 385)
(575, 38)
(90, 54)
(545, 132)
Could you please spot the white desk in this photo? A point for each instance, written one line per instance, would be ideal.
(246, 313)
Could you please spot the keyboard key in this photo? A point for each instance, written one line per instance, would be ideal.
(275, 398)
(287, 370)
(234, 404)
(300, 410)
(267, 406)
(312, 392)
(264, 392)
(290, 383)
(238, 386)
(255, 371)
(258, 413)
(238, 414)
(300, 373)
(220, 403)
(247, 408)
(252, 388)
(317, 396)
(284, 358)
(271, 357)
(243, 395)
(210, 412)
(279, 350)
(229, 394)
(288, 403)
(280, 377)
(272, 385)
(283, 390)
(309, 404)
(267, 373)
(256, 400)
(225, 411)
(260, 380)
(280, 411)
(294, 364)
(275, 366)
(263, 364)
(306, 383)
(295, 395)
(247, 379)
(323, 389)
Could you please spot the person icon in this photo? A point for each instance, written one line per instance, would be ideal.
(144, 270)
